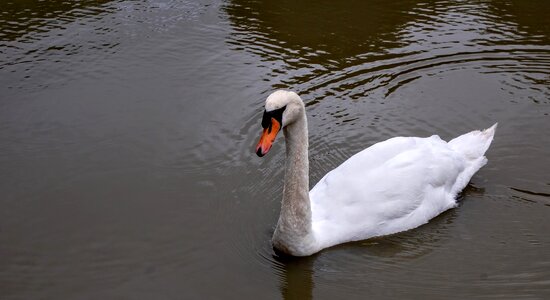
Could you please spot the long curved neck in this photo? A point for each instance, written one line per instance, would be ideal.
(294, 233)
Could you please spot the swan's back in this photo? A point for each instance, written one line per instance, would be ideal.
(394, 185)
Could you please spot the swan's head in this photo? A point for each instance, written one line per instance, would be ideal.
(282, 108)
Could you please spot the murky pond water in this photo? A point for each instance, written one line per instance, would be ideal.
(127, 133)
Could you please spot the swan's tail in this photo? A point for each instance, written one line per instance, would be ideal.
(474, 144)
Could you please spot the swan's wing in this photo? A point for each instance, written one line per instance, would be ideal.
(389, 187)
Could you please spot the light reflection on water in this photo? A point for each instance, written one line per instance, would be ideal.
(127, 132)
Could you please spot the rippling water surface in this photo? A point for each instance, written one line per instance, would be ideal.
(127, 131)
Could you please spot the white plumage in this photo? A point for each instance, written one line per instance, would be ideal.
(392, 186)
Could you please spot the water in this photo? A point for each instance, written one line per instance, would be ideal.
(127, 133)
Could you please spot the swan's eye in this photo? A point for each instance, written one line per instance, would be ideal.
(276, 114)
(266, 120)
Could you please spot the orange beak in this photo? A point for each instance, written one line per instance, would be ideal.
(268, 137)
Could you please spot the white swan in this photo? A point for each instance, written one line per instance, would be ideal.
(392, 186)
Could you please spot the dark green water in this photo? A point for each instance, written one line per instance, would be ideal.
(127, 134)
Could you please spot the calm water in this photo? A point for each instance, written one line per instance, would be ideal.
(127, 134)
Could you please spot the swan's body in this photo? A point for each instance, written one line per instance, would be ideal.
(392, 186)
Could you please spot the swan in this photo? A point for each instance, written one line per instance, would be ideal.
(389, 187)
